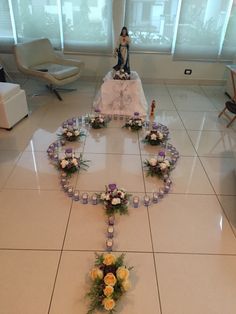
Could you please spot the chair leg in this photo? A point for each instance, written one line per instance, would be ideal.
(57, 94)
(222, 112)
(231, 122)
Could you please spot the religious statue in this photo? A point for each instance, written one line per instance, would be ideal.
(122, 51)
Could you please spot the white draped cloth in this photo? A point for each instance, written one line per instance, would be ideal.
(121, 97)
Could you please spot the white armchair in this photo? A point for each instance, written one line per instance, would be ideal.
(37, 58)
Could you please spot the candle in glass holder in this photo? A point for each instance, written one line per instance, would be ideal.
(70, 191)
(111, 220)
(146, 200)
(166, 188)
(55, 157)
(161, 192)
(110, 232)
(76, 195)
(155, 197)
(63, 181)
(94, 199)
(85, 198)
(63, 175)
(168, 181)
(136, 201)
(109, 244)
(65, 187)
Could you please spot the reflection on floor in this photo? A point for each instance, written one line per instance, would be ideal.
(183, 249)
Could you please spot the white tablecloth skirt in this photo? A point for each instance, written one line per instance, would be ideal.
(117, 97)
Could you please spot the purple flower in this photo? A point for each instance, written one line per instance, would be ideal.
(112, 186)
(97, 110)
(136, 113)
(68, 151)
(162, 154)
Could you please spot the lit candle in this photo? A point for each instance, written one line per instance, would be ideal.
(63, 175)
(166, 188)
(161, 192)
(146, 200)
(65, 187)
(110, 232)
(76, 195)
(155, 197)
(85, 198)
(63, 181)
(94, 199)
(63, 142)
(111, 220)
(109, 244)
(136, 201)
(70, 191)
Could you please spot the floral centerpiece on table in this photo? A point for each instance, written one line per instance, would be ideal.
(135, 123)
(97, 121)
(70, 163)
(115, 200)
(110, 280)
(158, 166)
(155, 137)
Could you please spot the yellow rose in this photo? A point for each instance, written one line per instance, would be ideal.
(108, 304)
(108, 291)
(96, 273)
(110, 279)
(122, 273)
(109, 259)
(126, 285)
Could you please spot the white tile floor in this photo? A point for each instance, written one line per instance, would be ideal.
(183, 249)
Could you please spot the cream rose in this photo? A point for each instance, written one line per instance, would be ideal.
(96, 273)
(115, 201)
(76, 133)
(109, 259)
(108, 290)
(64, 163)
(160, 135)
(153, 162)
(153, 137)
(110, 279)
(103, 196)
(126, 285)
(108, 304)
(69, 134)
(74, 161)
(122, 273)
(163, 166)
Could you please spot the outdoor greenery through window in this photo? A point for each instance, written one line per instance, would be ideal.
(188, 29)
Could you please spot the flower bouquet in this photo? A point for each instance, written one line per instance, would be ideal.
(115, 200)
(158, 166)
(135, 123)
(71, 133)
(155, 137)
(98, 121)
(110, 280)
(70, 163)
(121, 75)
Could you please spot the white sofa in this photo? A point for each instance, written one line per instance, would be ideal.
(13, 105)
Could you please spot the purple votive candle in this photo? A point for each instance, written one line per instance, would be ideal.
(136, 201)
(146, 200)
(110, 232)
(94, 199)
(136, 114)
(76, 195)
(70, 191)
(68, 152)
(161, 192)
(109, 244)
(111, 220)
(155, 197)
(85, 198)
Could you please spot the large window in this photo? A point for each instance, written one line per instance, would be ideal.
(36, 19)
(200, 29)
(188, 29)
(6, 33)
(151, 24)
(87, 25)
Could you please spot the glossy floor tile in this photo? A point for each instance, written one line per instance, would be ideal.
(191, 224)
(26, 281)
(33, 219)
(197, 283)
(183, 248)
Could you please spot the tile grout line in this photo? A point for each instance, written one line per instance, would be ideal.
(150, 233)
(60, 258)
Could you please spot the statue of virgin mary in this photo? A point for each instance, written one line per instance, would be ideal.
(122, 51)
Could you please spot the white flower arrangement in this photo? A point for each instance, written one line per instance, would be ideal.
(158, 166)
(155, 137)
(71, 133)
(135, 123)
